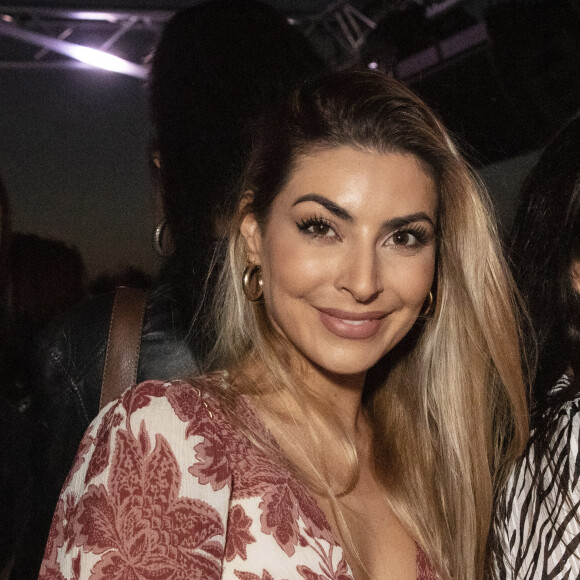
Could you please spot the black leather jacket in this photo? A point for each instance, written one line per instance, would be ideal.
(67, 365)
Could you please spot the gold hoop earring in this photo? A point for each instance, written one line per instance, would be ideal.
(252, 282)
(428, 309)
(158, 239)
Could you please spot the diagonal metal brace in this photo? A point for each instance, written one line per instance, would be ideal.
(92, 56)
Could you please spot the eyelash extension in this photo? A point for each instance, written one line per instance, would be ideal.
(420, 233)
(306, 223)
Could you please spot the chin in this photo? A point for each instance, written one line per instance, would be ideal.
(346, 368)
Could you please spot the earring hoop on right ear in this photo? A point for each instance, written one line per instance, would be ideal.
(252, 282)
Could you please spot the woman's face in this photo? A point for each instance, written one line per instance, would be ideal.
(347, 255)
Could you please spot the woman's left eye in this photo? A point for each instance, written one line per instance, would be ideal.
(408, 238)
(404, 239)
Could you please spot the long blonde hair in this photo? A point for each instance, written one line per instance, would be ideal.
(447, 405)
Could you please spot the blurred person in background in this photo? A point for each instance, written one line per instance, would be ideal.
(537, 532)
(218, 67)
(46, 278)
(41, 278)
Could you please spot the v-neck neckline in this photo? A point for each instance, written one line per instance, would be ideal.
(424, 569)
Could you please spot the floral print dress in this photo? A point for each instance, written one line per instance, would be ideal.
(165, 486)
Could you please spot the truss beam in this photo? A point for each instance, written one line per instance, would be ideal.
(127, 38)
(121, 40)
(91, 56)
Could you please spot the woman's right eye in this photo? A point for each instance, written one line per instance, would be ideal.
(317, 228)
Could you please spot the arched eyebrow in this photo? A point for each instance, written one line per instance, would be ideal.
(340, 212)
(332, 207)
(405, 220)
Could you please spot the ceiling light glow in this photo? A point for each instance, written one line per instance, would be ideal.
(106, 16)
(104, 60)
(91, 56)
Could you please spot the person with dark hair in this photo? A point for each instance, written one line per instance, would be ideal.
(364, 316)
(538, 519)
(46, 278)
(218, 66)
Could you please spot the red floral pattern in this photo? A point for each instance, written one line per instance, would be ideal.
(100, 458)
(251, 576)
(165, 486)
(238, 532)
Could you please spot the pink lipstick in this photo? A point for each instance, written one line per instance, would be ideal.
(350, 324)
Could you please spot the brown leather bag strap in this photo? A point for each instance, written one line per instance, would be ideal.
(124, 343)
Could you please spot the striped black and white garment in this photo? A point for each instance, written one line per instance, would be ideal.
(540, 535)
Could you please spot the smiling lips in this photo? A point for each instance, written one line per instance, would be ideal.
(350, 325)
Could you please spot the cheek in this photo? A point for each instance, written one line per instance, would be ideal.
(293, 269)
(288, 277)
(427, 271)
(414, 279)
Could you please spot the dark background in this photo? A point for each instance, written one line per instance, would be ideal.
(73, 143)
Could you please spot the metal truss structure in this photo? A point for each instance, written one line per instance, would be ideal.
(338, 32)
(32, 38)
(124, 41)
(341, 30)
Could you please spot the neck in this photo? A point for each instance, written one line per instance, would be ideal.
(342, 393)
(313, 447)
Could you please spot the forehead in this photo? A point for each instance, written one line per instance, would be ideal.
(363, 182)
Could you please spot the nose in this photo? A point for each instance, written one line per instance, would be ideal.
(360, 275)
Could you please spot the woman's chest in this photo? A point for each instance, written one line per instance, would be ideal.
(277, 530)
(381, 547)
